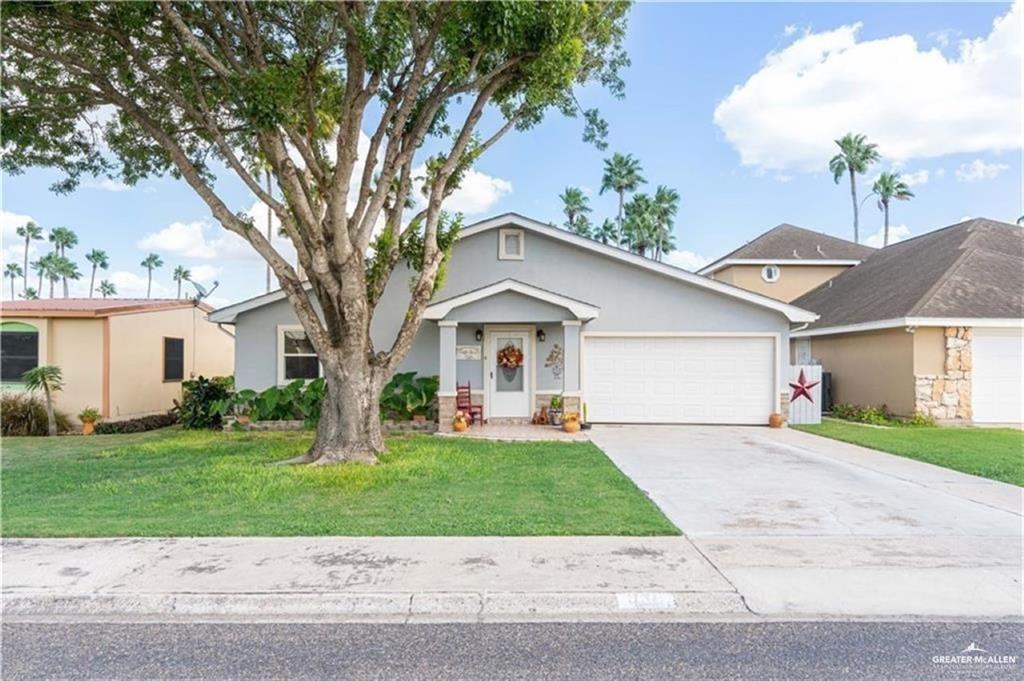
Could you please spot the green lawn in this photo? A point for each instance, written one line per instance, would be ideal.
(996, 453)
(180, 483)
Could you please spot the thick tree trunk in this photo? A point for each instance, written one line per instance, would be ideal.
(349, 429)
(853, 195)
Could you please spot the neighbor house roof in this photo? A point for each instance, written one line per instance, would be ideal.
(791, 245)
(91, 307)
(229, 314)
(969, 271)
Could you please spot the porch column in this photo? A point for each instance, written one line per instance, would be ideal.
(446, 376)
(571, 374)
(446, 372)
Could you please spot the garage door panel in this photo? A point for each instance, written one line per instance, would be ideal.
(679, 379)
(997, 379)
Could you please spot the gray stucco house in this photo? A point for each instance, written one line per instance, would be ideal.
(632, 339)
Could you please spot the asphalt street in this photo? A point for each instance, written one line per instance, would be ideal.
(791, 650)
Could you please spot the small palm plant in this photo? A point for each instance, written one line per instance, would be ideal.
(607, 232)
(181, 274)
(107, 288)
(99, 259)
(30, 294)
(887, 187)
(151, 262)
(50, 380)
(63, 239)
(13, 272)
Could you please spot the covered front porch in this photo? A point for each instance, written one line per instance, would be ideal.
(515, 345)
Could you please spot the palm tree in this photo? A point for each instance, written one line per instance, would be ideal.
(855, 155)
(607, 232)
(30, 294)
(38, 266)
(887, 187)
(151, 262)
(666, 205)
(29, 231)
(181, 274)
(63, 238)
(50, 265)
(50, 380)
(575, 205)
(641, 230)
(13, 271)
(622, 173)
(99, 259)
(107, 289)
(66, 269)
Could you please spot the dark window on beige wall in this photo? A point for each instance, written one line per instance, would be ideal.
(19, 350)
(174, 359)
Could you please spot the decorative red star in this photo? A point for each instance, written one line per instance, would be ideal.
(802, 387)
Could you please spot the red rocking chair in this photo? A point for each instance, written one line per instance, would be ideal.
(464, 403)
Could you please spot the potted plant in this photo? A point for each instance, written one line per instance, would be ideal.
(555, 410)
(89, 417)
(460, 422)
(571, 422)
(775, 420)
(585, 424)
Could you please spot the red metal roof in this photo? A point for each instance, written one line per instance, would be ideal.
(91, 307)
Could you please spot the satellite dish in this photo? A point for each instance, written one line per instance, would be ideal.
(201, 291)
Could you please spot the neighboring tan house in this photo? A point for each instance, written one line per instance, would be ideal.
(635, 340)
(932, 324)
(786, 262)
(125, 357)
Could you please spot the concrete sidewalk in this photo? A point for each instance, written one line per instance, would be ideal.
(457, 578)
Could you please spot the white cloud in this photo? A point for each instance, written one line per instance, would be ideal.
(977, 170)
(207, 240)
(688, 260)
(897, 233)
(941, 172)
(783, 178)
(204, 273)
(133, 285)
(789, 29)
(13, 246)
(477, 193)
(915, 178)
(106, 184)
(913, 102)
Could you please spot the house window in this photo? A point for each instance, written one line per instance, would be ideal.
(510, 244)
(771, 273)
(174, 359)
(19, 350)
(298, 358)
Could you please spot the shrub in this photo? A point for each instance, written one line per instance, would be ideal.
(876, 416)
(407, 395)
(139, 425)
(921, 418)
(22, 414)
(199, 407)
(297, 400)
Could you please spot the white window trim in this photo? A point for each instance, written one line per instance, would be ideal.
(769, 279)
(505, 255)
(281, 328)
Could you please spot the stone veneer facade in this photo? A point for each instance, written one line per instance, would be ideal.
(947, 396)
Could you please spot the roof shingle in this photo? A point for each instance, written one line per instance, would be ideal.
(973, 269)
(789, 242)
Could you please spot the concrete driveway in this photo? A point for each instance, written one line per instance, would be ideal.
(803, 524)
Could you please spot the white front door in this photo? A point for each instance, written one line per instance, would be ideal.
(508, 390)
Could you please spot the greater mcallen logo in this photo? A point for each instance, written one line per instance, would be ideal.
(974, 654)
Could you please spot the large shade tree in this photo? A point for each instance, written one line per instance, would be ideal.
(197, 88)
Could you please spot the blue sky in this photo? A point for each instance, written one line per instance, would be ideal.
(734, 105)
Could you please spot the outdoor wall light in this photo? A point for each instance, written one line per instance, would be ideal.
(479, 335)
(540, 335)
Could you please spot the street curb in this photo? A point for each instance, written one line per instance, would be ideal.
(378, 604)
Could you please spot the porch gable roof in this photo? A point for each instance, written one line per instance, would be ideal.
(581, 310)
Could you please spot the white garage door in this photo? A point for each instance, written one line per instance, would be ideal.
(997, 378)
(678, 379)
